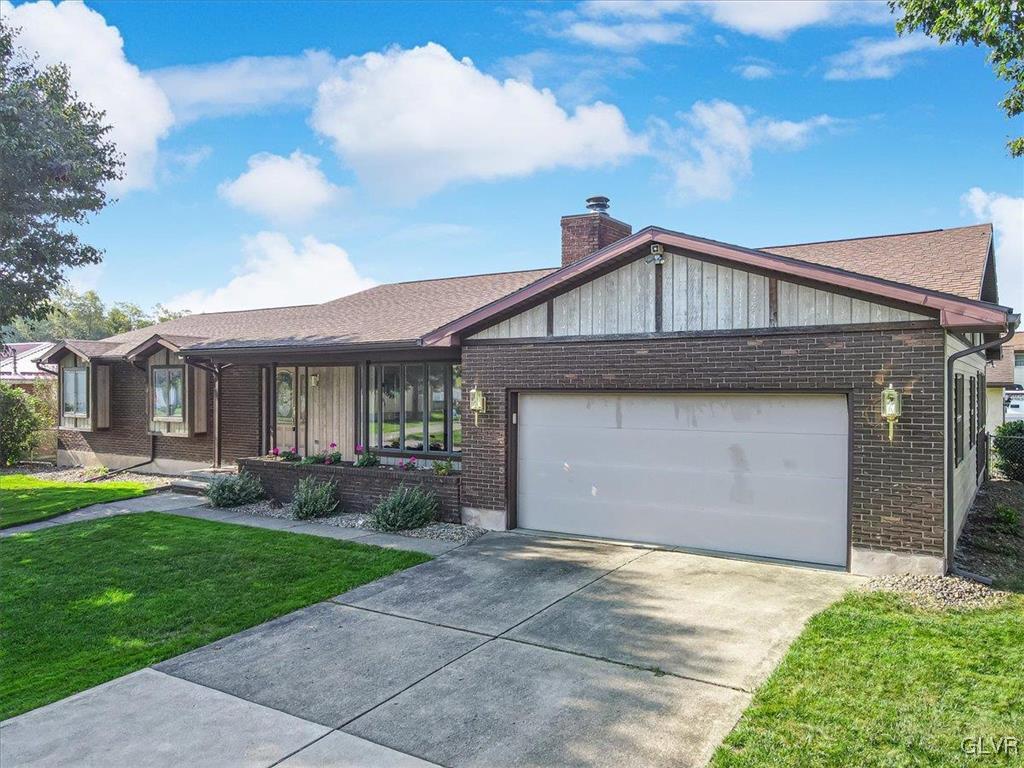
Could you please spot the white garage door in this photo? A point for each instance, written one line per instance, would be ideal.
(751, 474)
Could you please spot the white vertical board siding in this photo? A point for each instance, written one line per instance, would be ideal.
(700, 296)
(330, 411)
(802, 305)
(696, 296)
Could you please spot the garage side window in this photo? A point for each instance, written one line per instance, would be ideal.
(958, 419)
(75, 387)
(169, 393)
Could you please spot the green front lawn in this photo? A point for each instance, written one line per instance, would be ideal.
(26, 499)
(873, 682)
(86, 602)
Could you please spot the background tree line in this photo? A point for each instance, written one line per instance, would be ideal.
(74, 315)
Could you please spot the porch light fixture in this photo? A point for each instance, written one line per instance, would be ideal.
(892, 407)
(477, 404)
(314, 379)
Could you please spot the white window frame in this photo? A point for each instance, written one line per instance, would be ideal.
(76, 370)
(153, 389)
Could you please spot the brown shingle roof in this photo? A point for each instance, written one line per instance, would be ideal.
(946, 260)
(387, 313)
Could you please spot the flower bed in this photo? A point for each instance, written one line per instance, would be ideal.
(358, 488)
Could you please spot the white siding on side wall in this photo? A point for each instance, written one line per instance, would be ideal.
(696, 296)
(965, 477)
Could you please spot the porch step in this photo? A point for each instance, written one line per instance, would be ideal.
(194, 487)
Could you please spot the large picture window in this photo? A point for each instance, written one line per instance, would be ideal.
(169, 393)
(412, 407)
(75, 392)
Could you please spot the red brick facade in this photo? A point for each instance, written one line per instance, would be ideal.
(588, 233)
(129, 429)
(896, 494)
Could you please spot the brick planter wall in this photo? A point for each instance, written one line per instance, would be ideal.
(358, 489)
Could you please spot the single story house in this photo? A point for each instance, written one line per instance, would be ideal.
(19, 364)
(819, 403)
(1001, 378)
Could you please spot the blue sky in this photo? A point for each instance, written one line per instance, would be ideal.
(285, 153)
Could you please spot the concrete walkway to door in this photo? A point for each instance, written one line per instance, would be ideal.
(514, 650)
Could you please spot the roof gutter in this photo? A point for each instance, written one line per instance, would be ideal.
(1012, 322)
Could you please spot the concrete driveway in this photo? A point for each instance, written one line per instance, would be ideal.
(513, 651)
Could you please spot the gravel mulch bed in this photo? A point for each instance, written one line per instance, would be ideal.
(939, 592)
(987, 545)
(460, 534)
(81, 474)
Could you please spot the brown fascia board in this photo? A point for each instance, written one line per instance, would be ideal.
(63, 347)
(954, 311)
(270, 350)
(156, 340)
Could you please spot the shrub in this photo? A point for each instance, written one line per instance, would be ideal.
(334, 457)
(1009, 448)
(366, 457)
(1007, 518)
(20, 420)
(313, 458)
(313, 498)
(233, 490)
(405, 508)
(443, 468)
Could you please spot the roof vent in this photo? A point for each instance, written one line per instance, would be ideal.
(598, 204)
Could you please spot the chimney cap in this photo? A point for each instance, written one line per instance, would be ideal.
(597, 203)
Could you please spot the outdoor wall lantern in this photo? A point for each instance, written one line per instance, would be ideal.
(477, 404)
(314, 379)
(892, 407)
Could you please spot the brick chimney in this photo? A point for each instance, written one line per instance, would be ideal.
(585, 233)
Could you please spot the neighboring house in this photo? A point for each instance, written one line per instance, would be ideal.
(18, 364)
(1000, 378)
(657, 387)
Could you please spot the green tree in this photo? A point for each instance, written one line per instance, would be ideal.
(55, 160)
(125, 316)
(996, 24)
(76, 315)
(20, 419)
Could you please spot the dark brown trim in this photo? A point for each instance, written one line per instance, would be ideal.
(753, 332)
(512, 461)
(216, 418)
(659, 293)
(773, 302)
(550, 318)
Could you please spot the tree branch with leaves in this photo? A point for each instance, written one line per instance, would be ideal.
(996, 24)
(56, 160)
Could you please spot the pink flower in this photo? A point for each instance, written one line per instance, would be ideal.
(359, 447)
(276, 451)
(328, 460)
(334, 445)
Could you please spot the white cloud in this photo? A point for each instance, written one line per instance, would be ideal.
(243, 85)
(283, 189)
(626, 36)
(410, 122)
(772, 20)
(136, 109)
(276, 274)
(1007, 217)
(755, 70)
(575, 78)
(714, 147)
(873, 59)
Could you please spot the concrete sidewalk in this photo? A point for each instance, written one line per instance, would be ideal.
(188, 505)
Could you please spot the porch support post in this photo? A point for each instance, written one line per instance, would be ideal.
(216, 415)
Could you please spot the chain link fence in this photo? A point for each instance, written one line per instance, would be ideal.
(1007, 453)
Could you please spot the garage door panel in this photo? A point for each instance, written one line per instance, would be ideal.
(815, 414)
(681, 490)
(789, 454)
(625, 466)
